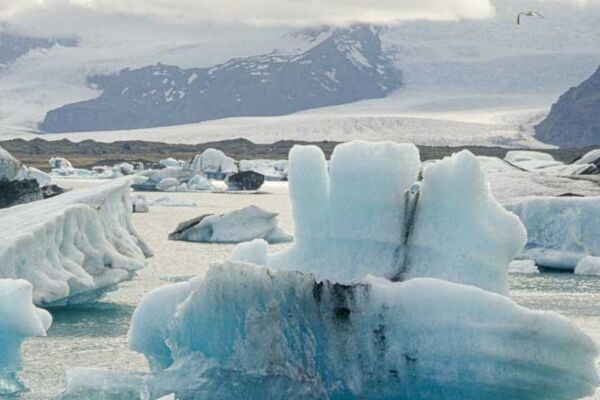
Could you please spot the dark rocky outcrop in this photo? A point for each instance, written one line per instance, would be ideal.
(574, 120)
(49, 191)
(17, 192)
(245, 180)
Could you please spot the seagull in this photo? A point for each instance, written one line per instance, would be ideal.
(529, 13)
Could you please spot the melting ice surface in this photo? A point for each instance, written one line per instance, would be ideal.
(72, 247)
(323, 320)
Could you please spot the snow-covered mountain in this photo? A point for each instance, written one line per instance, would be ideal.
(348, 65)
(13, 46)
(484, 81)
(573, 120)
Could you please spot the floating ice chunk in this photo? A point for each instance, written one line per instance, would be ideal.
(349, 222)
(250, 332)
(124, 168)
(235, 227)
(543, 163)
(212, 160)
(139, 204)
(74, 246)
(199, 182)
(459, 232)
(523, 267)
(19, 319)
(169, 202)
(9, 166)
(60, 163)
(590, 157)
(588, 266)
(42, 178)
(270, 169)
(561, 231)
(169, 162)
(167, 183)
(254, 252)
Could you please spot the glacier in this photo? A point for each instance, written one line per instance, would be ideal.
(19, 319)
(561, 231)
(72, 247)
(399, 295)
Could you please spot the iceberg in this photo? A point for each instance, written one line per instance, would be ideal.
(249, 332)
(19, 319)
(234, 227)
(561, 231)
(212, 161)
(72, 247)
(543, 163)
(139, 204)
(9, 166)
(353, 309)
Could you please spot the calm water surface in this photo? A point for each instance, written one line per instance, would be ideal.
(95, 335)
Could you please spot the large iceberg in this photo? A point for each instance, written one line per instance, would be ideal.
(74, 246)
(450, 227)
(19, 319)
(561, 231)
(356, 308)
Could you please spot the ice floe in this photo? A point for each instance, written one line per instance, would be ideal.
(234, 227)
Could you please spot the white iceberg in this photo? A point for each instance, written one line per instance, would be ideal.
(19, 319)
(234, 227)
(170, 162)
(212, 161)
(139, 204)
(9, 166)
(561, 231)
(271, 169)
(249, 331)
(60, 163)
(543, 163)
(199, 182)
(523, 267)
(167, 183)
(74, 246)
(509, 183)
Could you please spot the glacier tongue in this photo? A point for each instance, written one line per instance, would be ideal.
(19, 319)
(74, 246)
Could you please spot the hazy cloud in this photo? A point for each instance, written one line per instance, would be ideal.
(267, 11)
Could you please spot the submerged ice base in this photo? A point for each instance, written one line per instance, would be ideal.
(248, 332)
(74, 246)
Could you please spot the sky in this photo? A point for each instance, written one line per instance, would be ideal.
(64, 16)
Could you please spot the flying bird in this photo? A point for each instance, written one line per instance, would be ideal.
(529, 13)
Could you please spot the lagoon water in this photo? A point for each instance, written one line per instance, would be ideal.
(95, 335)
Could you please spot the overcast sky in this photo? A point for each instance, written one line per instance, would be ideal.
(64, 16)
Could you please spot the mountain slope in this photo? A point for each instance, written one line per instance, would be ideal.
(347, 66)
(13, 46)
(574, 120)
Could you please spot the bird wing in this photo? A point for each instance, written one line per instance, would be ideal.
(539, 15)
(519, 18)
